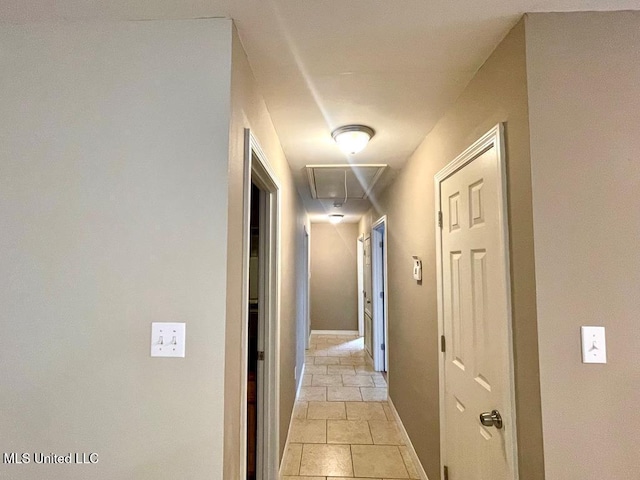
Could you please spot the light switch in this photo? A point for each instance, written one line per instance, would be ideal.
(168, 339)
(594, 346)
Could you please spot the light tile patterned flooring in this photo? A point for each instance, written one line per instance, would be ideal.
(342, 426)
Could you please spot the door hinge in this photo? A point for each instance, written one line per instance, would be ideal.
(260, 355)
(381, 294)
(440, 219)
(443, 344)
(446, 473)
(382, 346)
(380, 244)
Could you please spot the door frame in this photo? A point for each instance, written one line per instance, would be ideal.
(368, 310)
(360, 260)
(258, 170)
(379, 283)
(494, 138)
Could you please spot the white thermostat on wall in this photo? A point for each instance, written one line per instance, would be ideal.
(417, 268)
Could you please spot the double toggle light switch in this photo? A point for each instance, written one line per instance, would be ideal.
(168, 339)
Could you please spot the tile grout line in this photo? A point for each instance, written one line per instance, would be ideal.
(353, 470)
(373, 442)
(300, 463)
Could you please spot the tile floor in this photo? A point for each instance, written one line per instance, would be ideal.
(342, 427)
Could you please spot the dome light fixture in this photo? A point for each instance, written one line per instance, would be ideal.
(352, 138)
(336, 218)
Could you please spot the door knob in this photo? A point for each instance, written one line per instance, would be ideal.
(491, 419)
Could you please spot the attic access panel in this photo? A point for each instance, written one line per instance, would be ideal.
(327, 182)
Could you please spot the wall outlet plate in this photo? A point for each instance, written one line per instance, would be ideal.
(594, 345)
(168, 339)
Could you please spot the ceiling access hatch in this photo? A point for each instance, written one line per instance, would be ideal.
(327, 182)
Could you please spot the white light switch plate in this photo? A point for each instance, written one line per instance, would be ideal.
(168, 339)
(594, 346)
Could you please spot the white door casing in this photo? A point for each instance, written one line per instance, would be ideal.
(379, 293)
(258, 171)
(474, 308)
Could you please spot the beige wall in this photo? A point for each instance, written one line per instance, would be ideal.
(248, 110)
(364, 226)
(584, 96)
(498, 93)
(334, 276)
(113, 199)
(303, 304)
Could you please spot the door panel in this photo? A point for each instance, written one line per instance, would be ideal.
(475, 307)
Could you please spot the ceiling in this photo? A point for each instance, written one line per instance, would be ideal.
(395, 65)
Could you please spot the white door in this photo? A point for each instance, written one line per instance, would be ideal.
(475, 312)
(379, 292)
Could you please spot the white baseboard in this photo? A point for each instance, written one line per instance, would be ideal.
(300, 377)
(407, 441)
(334, 332)
(286, 446)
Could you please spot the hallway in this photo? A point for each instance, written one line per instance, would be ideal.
(342, 426)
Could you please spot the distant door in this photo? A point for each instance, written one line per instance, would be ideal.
(368, 306)
(479, 430)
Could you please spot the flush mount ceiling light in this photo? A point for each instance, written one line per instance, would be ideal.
(352, 138)
(336, 218)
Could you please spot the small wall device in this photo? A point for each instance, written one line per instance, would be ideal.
(417, 268)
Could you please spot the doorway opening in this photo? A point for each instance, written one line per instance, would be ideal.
(379, 293)
(260, 346)
(252, 331)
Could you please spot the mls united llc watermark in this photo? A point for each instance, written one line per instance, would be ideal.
(76, 458)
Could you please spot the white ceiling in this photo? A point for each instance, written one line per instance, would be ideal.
(395, 65)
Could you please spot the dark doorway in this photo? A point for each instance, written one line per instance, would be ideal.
(254, 316)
